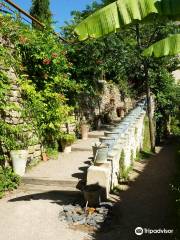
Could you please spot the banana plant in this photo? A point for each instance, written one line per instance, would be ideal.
(165, 47)
(122, 13)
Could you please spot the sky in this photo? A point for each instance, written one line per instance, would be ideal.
(61, 9)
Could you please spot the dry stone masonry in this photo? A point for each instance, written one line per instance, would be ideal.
(112, 102)
(13, 116)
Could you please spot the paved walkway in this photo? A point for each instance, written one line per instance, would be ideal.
(32, 213)
(70, 169)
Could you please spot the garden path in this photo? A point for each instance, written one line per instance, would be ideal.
(70, 168)
(32, 214)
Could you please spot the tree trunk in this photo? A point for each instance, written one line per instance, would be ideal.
(149, 110)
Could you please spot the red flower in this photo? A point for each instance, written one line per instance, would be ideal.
(46, 61)
(54, 55)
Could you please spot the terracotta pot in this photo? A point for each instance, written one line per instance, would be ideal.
(45, 157)
(84, 131)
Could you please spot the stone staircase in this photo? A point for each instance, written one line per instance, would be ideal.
(67, 172)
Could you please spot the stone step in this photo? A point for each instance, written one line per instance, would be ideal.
(51, 188)
(51, 182)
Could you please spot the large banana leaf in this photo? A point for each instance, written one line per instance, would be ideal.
(165, 47)
(122, 12)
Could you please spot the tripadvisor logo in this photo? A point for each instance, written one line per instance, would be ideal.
(139, 231)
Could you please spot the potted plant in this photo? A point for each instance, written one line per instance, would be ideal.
(84, 128)
(66, 140)
(15, 140)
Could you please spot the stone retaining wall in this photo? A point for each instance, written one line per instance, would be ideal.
(111, 100)
(14, 117)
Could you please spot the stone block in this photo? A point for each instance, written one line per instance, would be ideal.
(37, 153)
(14, 93)
(37, 147)
(31, 149)
(100, 175)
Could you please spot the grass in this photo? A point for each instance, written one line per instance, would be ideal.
(146, 142)
(146, 152)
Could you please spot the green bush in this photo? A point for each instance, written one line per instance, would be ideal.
(40, 61)
(66, 139)
(8, 180)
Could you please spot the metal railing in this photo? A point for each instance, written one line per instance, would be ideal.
(9, 7)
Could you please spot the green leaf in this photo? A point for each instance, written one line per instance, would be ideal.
(123, 12)
(165, 47)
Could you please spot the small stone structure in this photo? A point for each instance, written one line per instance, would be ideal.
(111, 101)
(129, 142)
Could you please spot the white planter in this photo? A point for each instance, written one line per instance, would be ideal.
(19, 159)
(67, 149)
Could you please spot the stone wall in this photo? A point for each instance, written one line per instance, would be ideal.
(14, 117)
(129, 140)
(112, 102)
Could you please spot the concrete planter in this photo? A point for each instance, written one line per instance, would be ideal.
(19, 160)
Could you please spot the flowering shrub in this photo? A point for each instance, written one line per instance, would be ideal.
(39, 58)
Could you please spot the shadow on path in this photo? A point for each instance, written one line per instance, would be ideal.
(147, 203)
(57, 197)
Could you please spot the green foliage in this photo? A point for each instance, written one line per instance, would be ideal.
(66, 139)
(175, 125)
(41, 10)
(146, 140)
(123, 171)
(8, 180)
(14, 137)
(165, 47)
(132, 158)
(118, 14)
(48, 90)
(164, 88)
(137, 37)
(52, 152)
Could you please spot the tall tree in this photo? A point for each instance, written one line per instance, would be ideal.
(41, 10)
